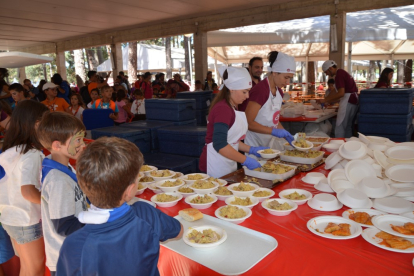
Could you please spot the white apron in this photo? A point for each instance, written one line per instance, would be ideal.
(217, 164)
(268, 116)
(342, 108)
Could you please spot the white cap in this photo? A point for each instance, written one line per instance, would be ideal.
(283, 64)
(49, 85)
(237, 78)
(327, 64)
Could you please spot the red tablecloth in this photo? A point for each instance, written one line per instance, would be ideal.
(299, 251)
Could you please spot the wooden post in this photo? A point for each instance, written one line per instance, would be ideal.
(311, 77)
(22, 74)
(116, 59)
(200, 55)
(61, 64)
(408, 73)
(337, 38)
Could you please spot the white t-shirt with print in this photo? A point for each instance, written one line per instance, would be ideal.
(21, 169)
(77, 114)
(138, 107)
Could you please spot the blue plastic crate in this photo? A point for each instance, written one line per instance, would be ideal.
(177, 163)
(170, 109)
(395, 137)
(203, 98)
(182, 140)
(192, 122)
(152, 126)
(395, 101)
(140, 137)
(97, 118)
(384, 124)
(201, 116)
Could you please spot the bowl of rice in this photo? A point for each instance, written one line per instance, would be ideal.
(222, 193)
(186, 191)
(204, 186)
(154, 188)
(279, 206)
(166, 199)
(204, 237)
(243, 189)
(141, 188)
(268, 153)
(263, 193)
(147, 169)
(233, 214)
(161, 175)
(170, 185)
(193, 177)
(248, 202)
(201, 201)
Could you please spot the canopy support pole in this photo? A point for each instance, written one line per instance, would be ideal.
(116, 59)
(349, 62)
(61, 64)
(200, 55)
(22, 74)
(337, 38)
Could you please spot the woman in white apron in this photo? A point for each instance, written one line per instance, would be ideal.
(263, 109)
(227, 127)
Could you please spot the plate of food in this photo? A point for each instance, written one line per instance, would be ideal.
(248, 202)
(316, 139)
(362, 216)
(243, 189)
(298, 196)
(204, 186)
(201, 201)
(387, 241)
(233, 214)
(263, 193)
(141, 188)
(279, 206)
(146, 180)
(193, 177)
(272, 170)
(222, 193)
(302, 157)
(395, 225)
(161, 174)
(268, 153)
(147, 169)
(170, 185)
(300, 142)
(204, 237)
(221, 182)
(166, 199)
(334, 227)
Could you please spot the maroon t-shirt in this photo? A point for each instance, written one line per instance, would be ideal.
(221, 113)
(259, 94)
(345, 80)
(243, 105)
(382, 84)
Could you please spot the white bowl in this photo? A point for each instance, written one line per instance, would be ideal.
(335, 175)
(378, 169)
(159, 178)
(310, 146)
(263, 198)
(286, 192)
(169, 203)
(353, 139)
(177, 175)
(377, 139)
(375, 146)
(138, 192)
(238, 220)
(185, 177)
(331, 147)
(147, 173)
(185, 195)
(368, 159)
(281, 201)
(343, 162)
(363, 138)
(154, 188)
(243, 193)
(356, 170)
(374, 187)
(332, 160)
(269, 155)
(354, 198)
(206, 246)
(339, 185)
(313, 178)
(205, 191)
(381, 159)
(221, 182)
(253, 199)
(169, 189)
(325, 202)
(222, 197)
(200, 205)
(370, 152)
(393, 205)
(323, 186)
(353, 150)
(338, 167)
(340, 142)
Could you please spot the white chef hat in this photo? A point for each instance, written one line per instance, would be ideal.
(237, 78)
(283, 64)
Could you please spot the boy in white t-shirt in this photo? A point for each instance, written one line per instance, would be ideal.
(62, 199)
(138, 106)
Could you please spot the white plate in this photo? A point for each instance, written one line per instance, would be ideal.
(335, 175)
(356, 170)
(219, 231)
(313, 178)
(393, 205)
(363, 138)
(332, 160)
(381, 159)
(331, 147)
(393, 161)
(324, 187)
(354, 198)
(378, 139)
(361, 152)
(325, 202)
(403, 189)
(400, 153)
(369, 235)
(384, 222)
(400, 173)
(370, 212)
(320, 223)
(340, 184)
(409, 215)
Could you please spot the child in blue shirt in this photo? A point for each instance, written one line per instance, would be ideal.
(62, 199)
(117, 239)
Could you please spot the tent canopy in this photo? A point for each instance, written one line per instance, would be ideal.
(19, 59)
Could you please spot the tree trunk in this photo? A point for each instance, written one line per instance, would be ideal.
(44, 71)
(99, 54)
(371, 75)
(132, 61)
(408, 72)
(311, 78)
(379, 66)
(186, 59)
(168, 57)
(92, 58)
(400, 72)
(79, 66)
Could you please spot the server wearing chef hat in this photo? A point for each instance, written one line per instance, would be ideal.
(263, 109)
(347, 94)
(227, 127)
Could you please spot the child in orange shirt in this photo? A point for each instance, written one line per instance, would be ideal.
(52, 101)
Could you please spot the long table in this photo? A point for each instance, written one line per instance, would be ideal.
(299, 251)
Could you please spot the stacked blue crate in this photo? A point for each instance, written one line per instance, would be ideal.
(387, 113)
(203, 101)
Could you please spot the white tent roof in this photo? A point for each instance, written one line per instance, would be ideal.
(376, 34)
(19, 59)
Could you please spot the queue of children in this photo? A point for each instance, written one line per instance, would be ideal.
(79, 221)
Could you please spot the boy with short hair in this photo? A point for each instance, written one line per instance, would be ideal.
(52, 101)
(117, 239)
(61, 198)
(106, 102)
